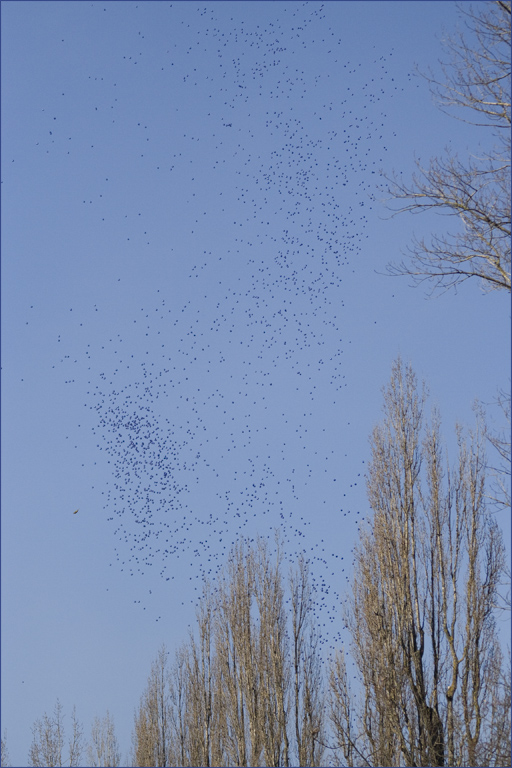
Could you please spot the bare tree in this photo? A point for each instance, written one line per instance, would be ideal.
(228, 694)
(273, 655)
(342, 713)
(250, 644)
(474, 190)
(204, 736)
(4, 757)
(234, 647)
(142, 739)
(48, 740)
(152, 721)
(499, 439)
(267, 661)
(104, 748)
(307, 676)
(421, 617)
(177, 709)
(76, 742)
(499, 468)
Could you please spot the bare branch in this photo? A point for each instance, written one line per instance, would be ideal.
(475, 191)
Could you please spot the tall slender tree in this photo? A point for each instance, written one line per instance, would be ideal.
(307, 676)
(151, 739)
(103, 749)
(421, 617)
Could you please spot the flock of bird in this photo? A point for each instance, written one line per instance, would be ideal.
(218, 397)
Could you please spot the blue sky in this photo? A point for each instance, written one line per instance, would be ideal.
(195, 322)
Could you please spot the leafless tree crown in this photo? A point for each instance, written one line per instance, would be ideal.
(432, 687)
(47, 748)
(473, 190)
(246, 688)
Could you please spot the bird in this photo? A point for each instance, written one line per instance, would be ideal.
(76, 510)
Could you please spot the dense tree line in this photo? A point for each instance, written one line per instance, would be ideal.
(249, 686)
(246, 689)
